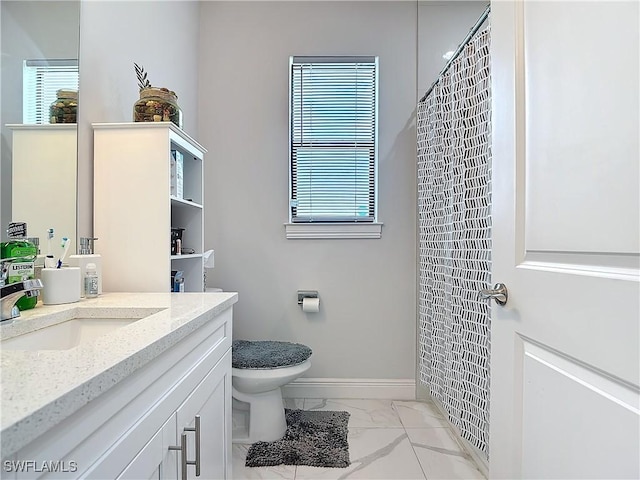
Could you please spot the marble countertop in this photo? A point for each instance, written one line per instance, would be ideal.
(40, 388)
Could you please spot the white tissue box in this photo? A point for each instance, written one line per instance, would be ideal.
(177, 167)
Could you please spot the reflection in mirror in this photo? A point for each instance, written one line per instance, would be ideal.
(40, 42)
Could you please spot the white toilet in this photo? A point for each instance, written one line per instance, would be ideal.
(258, 371)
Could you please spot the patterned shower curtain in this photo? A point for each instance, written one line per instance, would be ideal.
(454, 208)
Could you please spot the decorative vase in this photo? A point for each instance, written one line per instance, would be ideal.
(157, 105)
(64, 109)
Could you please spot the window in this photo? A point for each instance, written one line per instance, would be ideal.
(41, 80)
(333, 140)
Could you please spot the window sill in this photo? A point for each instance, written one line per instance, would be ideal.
(333, 230)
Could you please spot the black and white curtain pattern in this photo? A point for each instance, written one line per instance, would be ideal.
(454, 209)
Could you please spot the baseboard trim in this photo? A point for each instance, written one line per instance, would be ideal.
(379, 388)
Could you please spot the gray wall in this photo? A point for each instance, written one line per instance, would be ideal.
(366, 326)
(162, 37)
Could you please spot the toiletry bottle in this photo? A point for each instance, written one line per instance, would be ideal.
(91, 281)
(23, 267)
(83, 258)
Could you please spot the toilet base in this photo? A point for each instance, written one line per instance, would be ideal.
(267, 422)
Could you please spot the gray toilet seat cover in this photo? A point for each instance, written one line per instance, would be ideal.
(267, 354)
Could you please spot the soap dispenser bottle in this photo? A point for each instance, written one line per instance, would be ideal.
(84, 257)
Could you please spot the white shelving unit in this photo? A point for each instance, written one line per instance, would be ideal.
(134, 210)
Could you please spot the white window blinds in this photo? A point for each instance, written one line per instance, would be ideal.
(41, 80)
(333, 147)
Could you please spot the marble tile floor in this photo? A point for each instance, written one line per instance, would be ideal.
(388, 440)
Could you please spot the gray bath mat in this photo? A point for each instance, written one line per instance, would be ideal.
(315, 438)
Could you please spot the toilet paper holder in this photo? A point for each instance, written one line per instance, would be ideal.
(302, 294)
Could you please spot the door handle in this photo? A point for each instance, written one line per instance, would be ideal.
(183, 454)
(195, 429)
(183, 449)
(499, 293)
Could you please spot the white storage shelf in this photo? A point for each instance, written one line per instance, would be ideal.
(135, 210)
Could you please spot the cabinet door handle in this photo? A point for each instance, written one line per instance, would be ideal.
(195, 429)
(183, 454)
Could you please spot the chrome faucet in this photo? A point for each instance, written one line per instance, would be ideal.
(11, 293)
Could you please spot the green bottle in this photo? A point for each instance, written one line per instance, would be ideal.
(23, 268)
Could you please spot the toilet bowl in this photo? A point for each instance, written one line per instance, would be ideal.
(259, 370)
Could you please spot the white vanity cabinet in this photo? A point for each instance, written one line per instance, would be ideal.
(135, 429)
(206, 444)
(135, 206)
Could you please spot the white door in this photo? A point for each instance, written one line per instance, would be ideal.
(564, 359)
(211, 401)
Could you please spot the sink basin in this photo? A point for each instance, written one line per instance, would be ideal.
(82, 325)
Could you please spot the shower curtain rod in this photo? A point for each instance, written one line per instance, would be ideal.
(466, 40)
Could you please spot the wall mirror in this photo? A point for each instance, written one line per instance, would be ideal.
(38, 161)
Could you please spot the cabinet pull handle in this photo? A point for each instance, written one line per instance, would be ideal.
(183, 454)
(195, 429)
